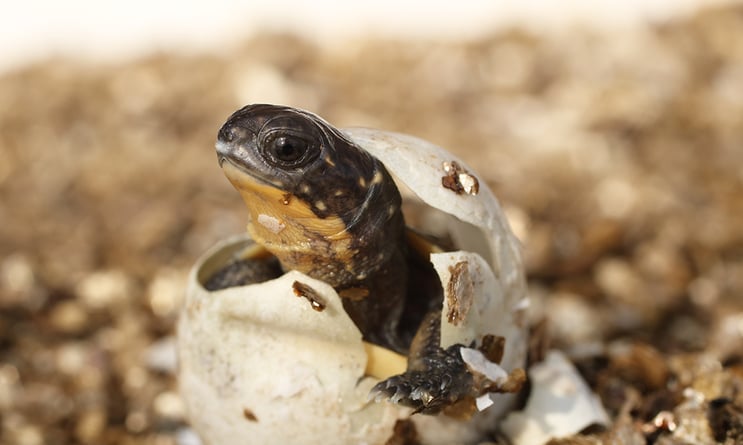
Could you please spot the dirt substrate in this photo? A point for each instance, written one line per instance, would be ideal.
(618, 159)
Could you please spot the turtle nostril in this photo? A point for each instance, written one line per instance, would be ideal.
(228, 133)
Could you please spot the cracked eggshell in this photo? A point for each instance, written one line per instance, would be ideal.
(421, 165)
(488, 268)
(257, 363)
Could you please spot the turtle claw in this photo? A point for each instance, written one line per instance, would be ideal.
(412, 389)
(393, 390)
(442, 383)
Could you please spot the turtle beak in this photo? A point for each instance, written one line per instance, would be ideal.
(223, 151)
(238, 160)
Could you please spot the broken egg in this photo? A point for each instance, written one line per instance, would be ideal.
(281, 361)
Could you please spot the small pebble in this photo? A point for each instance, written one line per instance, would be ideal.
(9, 386)
(187, 436)
(162, 355)
(16, 274)
(29, 435)
(136, 421)
(71, 358)
(104, 289)
(68, 317)
(572, 320)
(90, 425)
(169, 405)
(166, 292)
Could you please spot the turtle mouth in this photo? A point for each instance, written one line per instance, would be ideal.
(233, 167)
(237, 170)
(226, 155)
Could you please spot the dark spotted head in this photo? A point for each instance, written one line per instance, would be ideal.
(300, 154)
(304, 182)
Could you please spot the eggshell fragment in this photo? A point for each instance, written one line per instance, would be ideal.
(560, 404)
(488, 313)
(490, 255)
(420, 165)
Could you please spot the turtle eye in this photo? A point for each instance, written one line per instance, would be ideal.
(286, 150)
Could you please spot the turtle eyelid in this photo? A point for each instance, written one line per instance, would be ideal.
(272, 153)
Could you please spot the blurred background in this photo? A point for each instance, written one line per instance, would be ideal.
(611, 133)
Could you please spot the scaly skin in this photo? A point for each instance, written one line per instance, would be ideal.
(325, 207)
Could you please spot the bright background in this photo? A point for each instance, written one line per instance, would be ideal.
(35, 29)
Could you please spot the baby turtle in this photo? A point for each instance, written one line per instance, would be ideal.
(322, 205)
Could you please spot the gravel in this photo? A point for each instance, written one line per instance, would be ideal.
(619, 158)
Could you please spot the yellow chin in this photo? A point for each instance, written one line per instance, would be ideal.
(281, 222)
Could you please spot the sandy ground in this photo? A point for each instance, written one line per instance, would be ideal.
(619, 162)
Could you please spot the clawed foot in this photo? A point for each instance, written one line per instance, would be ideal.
(444, 381)
(418, 390)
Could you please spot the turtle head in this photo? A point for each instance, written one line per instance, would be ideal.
(299, 154)
(302, 179)
(275, 145)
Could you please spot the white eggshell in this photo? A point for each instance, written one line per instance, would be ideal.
(490, 250)
(259, 365)
(419, 164)
(560, 404)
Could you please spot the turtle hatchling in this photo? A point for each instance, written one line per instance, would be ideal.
(332, 321)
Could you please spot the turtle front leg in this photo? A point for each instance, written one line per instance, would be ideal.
(435, 378)
(438, 379)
